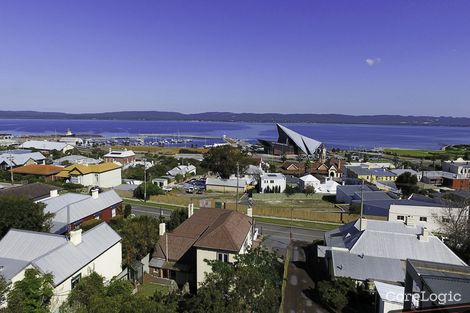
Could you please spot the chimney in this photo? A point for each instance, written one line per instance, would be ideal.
(110, 150)
(53, 193)
(249, 212)
(424, 236)
(362, 224)
(75, 237)
(162, 229)
(95, 193)
(190, 209)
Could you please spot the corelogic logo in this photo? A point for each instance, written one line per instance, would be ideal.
(434, 302)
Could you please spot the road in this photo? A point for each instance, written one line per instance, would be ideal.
(276, 237)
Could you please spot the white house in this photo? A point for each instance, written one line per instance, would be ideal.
(104, 175)
(272, 182)
(329, 187)
(309, 181)
(427, 215)
(182, 170)
(46, 145)
(68, 259)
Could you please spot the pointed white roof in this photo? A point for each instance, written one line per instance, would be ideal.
(309, 178)
(306, 144)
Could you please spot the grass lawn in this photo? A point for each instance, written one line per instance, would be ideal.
(148, 289)
(300, 224)
(455, 152)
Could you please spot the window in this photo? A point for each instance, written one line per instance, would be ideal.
(76, 280)
(272, 181)
(222, 257)
(113, 212)
(401, 217)
(423, 219)
(445, 219)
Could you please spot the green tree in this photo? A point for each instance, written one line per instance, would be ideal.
(152, 190)
(177, 217)
(139, 236)
(407, 183)
(289, 191)
(127, 210)
(32, 294)
(3, 289)
(19, 212)
(251, 284)
(335, 294)
(223, 160)
(309, 190)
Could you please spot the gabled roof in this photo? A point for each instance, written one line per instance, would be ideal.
(21, 158)
(54, 253)
(44, 145)
(120, 154)
(38, 169)
(83, 169)
(231, 182)
(74, 207)
(32, 191)
(208, 228)
(394, 240)
(306, 144)
(77, 159)
(309, 178)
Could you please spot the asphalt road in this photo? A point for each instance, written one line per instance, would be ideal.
(276, 237)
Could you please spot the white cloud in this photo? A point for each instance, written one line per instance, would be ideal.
(373, 61)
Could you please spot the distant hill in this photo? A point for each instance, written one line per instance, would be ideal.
(246, 117)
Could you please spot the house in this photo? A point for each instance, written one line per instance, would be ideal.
(291, 142)
(46, 171)
(347, 193)
(293, 181)
(72, 209)
(123, 157)
(447, 179)
(459, 166)
(369, 174)
(309, 181)
(7, 140)
(76, 159)
(47, 146)
(208, 234)
(160, 182)
(399, 171)
(389, 297)
(426, 278)
(10, 159)
(293, 168)
(328, 187)
(33, 192)
(104, 175)
(182, 170)
(272, 182)
(226, 185)
(67, 258)
(377, 250)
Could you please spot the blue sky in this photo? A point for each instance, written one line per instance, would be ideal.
(352, 57)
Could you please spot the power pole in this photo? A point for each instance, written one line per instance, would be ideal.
(145, 180)
(11, 168)
(238, 174)
(362, 203)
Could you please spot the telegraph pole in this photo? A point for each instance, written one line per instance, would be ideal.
(238, 174)
(145, 180)
(362, 203)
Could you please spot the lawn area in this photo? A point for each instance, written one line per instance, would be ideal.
(300, 224)
(457, 151)
(149, 288)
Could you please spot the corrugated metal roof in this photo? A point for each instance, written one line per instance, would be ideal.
(226, 182)
(44, 145)
(363, 267)
(82, 169)
(394, 240)
(79, 206)
(390, 292)
(119, 154)
(21, 159)
(67, 259)
(10, 267)
(27, 245)
(79, 159)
